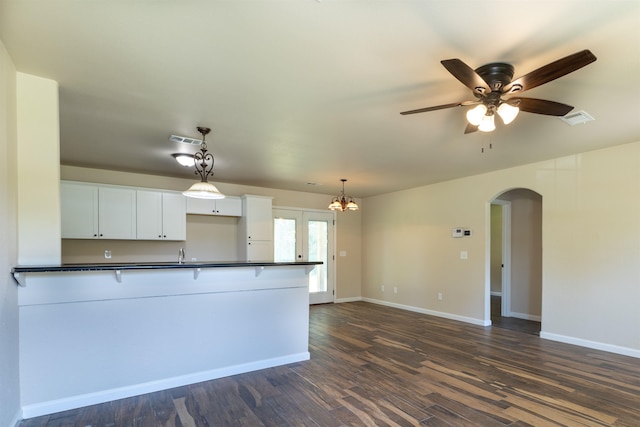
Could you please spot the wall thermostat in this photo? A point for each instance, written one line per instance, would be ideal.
(460, 232)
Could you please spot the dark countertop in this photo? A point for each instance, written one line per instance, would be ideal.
(151, 266)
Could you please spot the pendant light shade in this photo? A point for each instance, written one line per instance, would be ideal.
(203, 161)
(203, 190)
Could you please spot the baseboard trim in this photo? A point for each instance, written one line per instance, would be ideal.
(625, 351)
(351, 299)
(479, 322)
(526, 316)
(50, 407)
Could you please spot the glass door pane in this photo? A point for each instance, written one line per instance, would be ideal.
(318, 229)
(301, 235)
(318, 251)
(284, 231)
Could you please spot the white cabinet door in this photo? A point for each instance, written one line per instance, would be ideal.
(149, 215)
(258, 215)
(161, 215)
(117, 213)
(174, 216)
(259, 250)
(200, 206)
(79, 210)
(229, 206)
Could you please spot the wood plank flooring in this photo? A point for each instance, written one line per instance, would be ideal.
(378, 366)
(515, 324)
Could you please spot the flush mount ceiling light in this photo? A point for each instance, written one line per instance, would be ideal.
(491, 82)
(340, 203)
(184, 159)
(203, 161)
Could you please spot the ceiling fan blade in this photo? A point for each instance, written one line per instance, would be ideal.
(466, 75)
(440, 107)
(470, 128)
(551, 71)
(540, 106)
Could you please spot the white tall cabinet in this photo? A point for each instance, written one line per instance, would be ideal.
(255, 229)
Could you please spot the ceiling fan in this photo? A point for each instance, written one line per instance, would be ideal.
(491, 82)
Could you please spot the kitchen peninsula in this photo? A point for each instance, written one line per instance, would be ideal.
(91, 333)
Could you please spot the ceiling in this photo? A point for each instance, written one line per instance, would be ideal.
(310, 91)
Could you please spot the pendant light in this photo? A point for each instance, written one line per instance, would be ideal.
(340, 203)
(203, 161)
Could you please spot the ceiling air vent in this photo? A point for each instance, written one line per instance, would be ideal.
(185, 140)
(577, 118)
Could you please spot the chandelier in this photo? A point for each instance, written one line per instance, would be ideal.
(203, 161)
(340, 203)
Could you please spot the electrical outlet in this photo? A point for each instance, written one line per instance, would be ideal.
(439, 296)
(107, 254)
(382, 288)
(395, 289)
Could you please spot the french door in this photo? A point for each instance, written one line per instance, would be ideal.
(307, 236)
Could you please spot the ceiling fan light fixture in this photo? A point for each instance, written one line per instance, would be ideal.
(507, 112)
(487, 124)
(475, 115)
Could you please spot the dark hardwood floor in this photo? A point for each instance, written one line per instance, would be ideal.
(513, 323)
(378, 366)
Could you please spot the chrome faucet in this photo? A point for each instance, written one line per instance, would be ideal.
(181, 256)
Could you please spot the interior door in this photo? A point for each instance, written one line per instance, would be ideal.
(301, 235)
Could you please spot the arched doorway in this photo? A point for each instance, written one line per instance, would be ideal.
(516, 260)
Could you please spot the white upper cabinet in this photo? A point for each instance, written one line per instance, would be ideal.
(116, 213)
(229, 206)
(98, 211)
(258, 217)
(161, 215)
(90, 211)
(174, 216)
(79, 210)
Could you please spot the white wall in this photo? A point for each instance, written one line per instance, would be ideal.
(9, 366)
(591, 246)
(38, 171)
